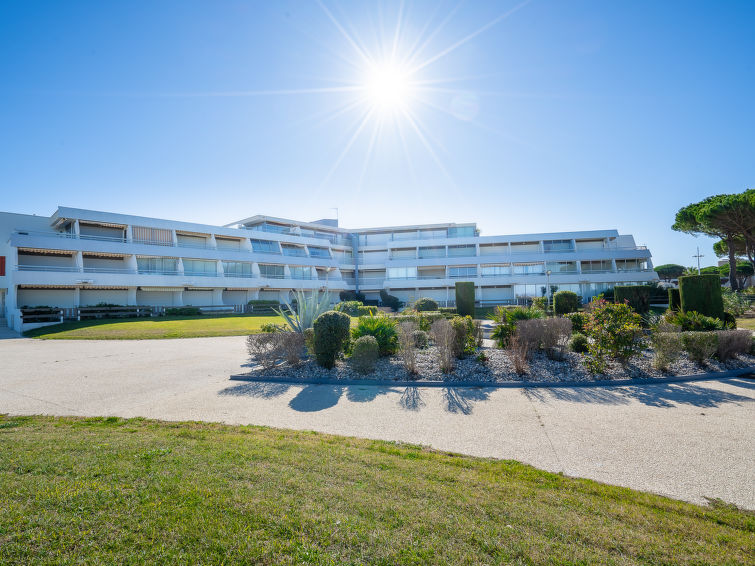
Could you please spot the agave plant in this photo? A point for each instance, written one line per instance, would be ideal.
(308, 308)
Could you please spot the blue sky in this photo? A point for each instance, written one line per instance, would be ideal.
(542, 116)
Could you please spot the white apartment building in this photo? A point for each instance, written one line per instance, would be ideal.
(77, 258)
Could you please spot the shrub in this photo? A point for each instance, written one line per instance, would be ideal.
(529, 335)
(263, 303)
(734, 302)
(674, 302)
(730, 322)
(292, 345)
(615, 331)
(578, 343)
(577, 321)
(183, 311)
(305, 309)
(331, 330)
(349, 295)
(425, 304)
(383, 328)
(667, 347)
(691, 321)
(465, 298)
(731, 343)
(309, 341)
(555, 336)
(421, 339)
(364, 354)
(367, 311)
(506, 319)
(349, 307)
(447, 310)
(540, 303)
(390, 301)
(271, 327)
(565, 302)
(700, 345)
(444, 337)
(407, 346)
(465, 341)
(701, 293)
(636, 296)
(265, 348)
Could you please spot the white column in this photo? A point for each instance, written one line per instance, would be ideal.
(129, 233)
(613, 265)
(217, 296)
(213, 242)
(256, 271)
(246, 245)
(76, 297)
(286, 272)
(131, 262)
(178, 298)
(78, 260)
(252, 294)
(174, 238)
(76, 228)
(131, 297)
(180, 266)
(219, 269)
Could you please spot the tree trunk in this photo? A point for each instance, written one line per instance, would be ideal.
(732, 264)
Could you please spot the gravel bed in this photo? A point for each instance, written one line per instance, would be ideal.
(498, 367)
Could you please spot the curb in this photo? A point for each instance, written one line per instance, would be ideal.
(500, 384)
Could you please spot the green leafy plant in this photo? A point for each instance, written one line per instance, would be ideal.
(692, 321)
(383, 328)
(425, 304)
(349, 307)
(421, 339)
(615, 331)
(183, 311)
(351, 296)
(465, 341)
(465, 298)
(505, 320)
(331, 331)
(540, 303)
(577, 321)
(734, 302)
(308, 308)
(667, 347)
(700, 346)
(364, 354)
(578, 343)
(701, 293)
(674, 300)
(390, 301)
(565, 302)
(270, 327)
(636, 296)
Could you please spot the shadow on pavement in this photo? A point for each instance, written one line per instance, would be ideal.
(662, 395)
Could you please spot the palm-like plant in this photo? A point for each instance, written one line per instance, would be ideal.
(308, 308)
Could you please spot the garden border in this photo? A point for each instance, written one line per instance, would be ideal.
(500, 384)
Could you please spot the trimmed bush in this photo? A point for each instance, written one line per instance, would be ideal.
(447, 310)
(183, 311)
(700, 346)
(425, 304)
(390, 301)
(701, 293)
(331, 330)
(309, 341)
(349, 307)
(731, 343)
(349, 295)
(383, 328)
(636, 296)
(364, 354)
(578, 343)
(465, 298)
(667, 347)
(565, 302)
(674, 302)
(692, 321)
(577, 321)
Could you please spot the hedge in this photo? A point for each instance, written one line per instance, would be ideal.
(674, 302)
(637, 296)
(465, 298)
(701, 293)
(565, 302)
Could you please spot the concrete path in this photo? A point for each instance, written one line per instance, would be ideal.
(685, 440)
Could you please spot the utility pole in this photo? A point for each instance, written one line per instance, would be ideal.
(698, 256)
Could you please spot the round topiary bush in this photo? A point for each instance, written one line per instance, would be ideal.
(331, 331)
(364, 354)
(565, 302)
(425, 304)
(578, 343)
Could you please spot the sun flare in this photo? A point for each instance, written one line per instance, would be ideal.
(387, 87)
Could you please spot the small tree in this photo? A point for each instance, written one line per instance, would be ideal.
(669, 271)
(331, 332)
(615, 330)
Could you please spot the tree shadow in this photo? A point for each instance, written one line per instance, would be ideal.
(259, 390)
(365, 393)
(314, 398)
(662, 395)
(411, 399)
(462, 399)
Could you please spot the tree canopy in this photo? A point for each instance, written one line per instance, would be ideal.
(669, 271)
(743, 270)
(728, 217)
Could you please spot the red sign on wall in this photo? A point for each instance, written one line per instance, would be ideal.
(2, 265)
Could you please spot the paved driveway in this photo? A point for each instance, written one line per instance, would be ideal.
(688, 441)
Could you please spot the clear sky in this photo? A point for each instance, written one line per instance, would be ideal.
(524, 117)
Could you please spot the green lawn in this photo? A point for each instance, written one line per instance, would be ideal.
(746, 323)
(153, 328)
(135, 491)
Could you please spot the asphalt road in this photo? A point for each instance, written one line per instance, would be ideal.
(689, 441)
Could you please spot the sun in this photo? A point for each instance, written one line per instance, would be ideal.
(387, 87)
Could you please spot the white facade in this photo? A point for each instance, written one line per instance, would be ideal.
(78, 258)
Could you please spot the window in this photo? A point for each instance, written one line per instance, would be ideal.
(528, 268)
(271, 271)
(461, 232)
(319, 252)
(237, 269)
(596, 266)
(167, 265)
(295, 251)
(404, 253)
(299, 272)
(154, 236)
(265, 246)
(630, 265)
(557, 246)
(401, 272)
(432, 251)
(493, 270)
(462, 251)
(561, 266)
(457, 272)
(200, 267)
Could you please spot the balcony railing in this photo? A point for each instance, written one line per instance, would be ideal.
(62, 268)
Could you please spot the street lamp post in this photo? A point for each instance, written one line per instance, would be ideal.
(548, 288)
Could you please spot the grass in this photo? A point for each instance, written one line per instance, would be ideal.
(155, 328)
(748, 323)
(108, 490)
